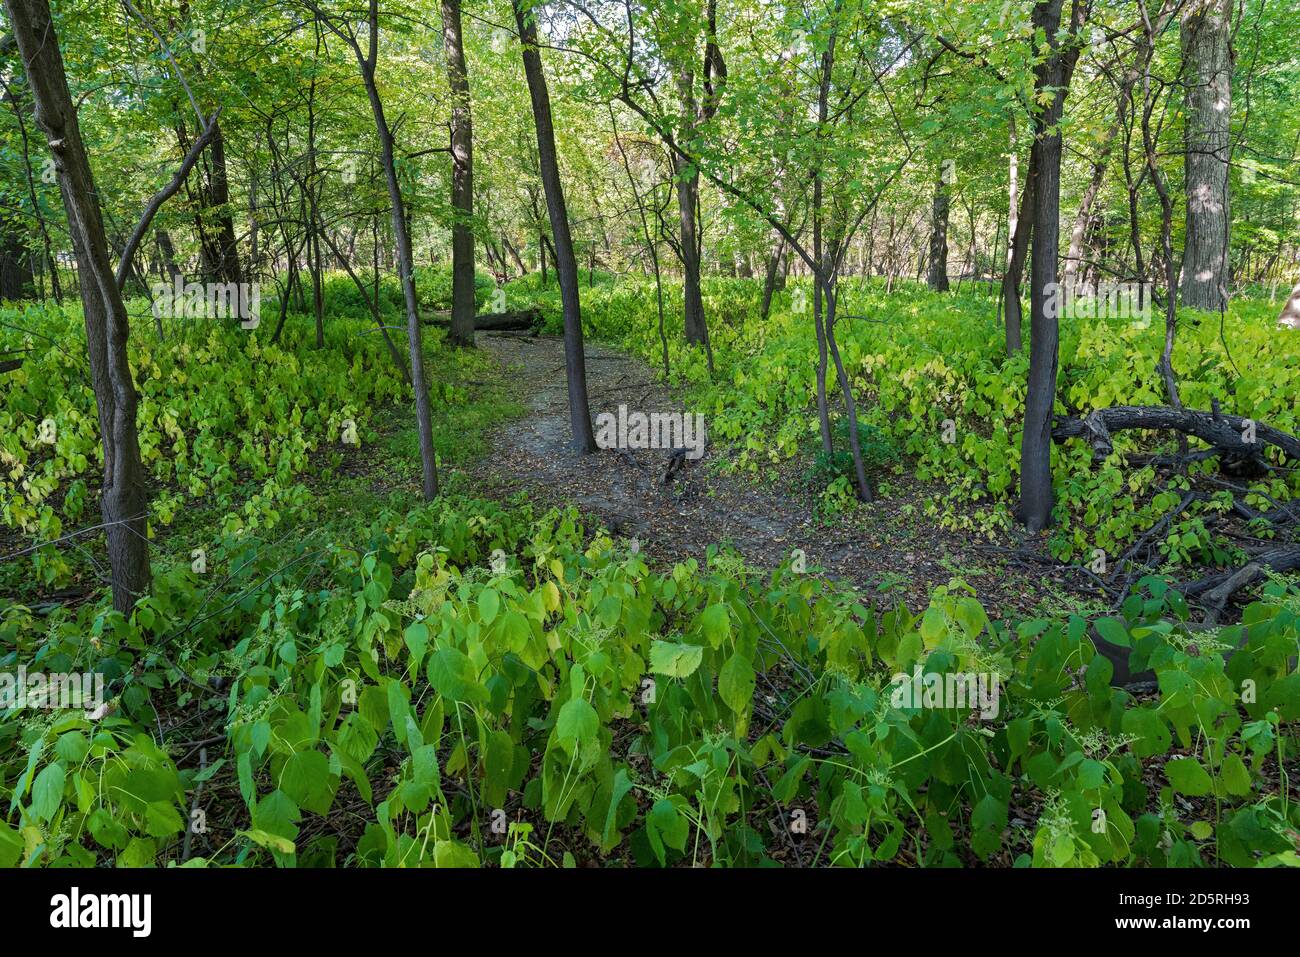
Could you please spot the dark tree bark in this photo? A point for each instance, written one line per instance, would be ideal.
(1022, 228)
(938, 277)
(124, 502)
(1207, 83)
(167, 255)
(1229, 433)
(695, 112)
(1053, 75)
(462, 180)
(566, 264)
(773, 277)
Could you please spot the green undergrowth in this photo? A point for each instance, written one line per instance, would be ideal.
(469, 683)
(933, 382)
(230, 424)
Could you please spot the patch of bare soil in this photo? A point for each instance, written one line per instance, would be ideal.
(884, 547)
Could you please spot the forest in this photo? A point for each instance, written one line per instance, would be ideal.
(630, 434)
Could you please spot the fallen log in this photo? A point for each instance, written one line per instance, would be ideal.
(9, 365)
(1233, 434)
(1285, 558)
(515, 320)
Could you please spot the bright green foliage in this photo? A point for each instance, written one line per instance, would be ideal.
(919, 360)
(612, 711)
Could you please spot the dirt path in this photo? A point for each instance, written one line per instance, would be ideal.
(883, 547)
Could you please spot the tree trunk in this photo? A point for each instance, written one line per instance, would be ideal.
(688, 198)
(124, 502)
(1045, 162)
(405, 264)
(221, 260)
(462, 180)
(1207, 81)
(1075, 252)
(1290, 316)
(566, 264)
(938, 277)
(1022, 228)
(772, 276)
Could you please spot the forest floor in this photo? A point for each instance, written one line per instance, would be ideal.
(887, 547)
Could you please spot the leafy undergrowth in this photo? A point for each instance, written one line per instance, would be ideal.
(921, 360)
(351, 678)
(229, 424)
(465, 683)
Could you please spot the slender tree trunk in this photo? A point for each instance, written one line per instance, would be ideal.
(224, 263)
(402, 241)
(1074, 254)
(688, 198)
(566, 264)
(124, 501)
(772, 276)
(1021, 231)
(17, 280)
(1036, 441)
(938, 277)
(462, 180)
(1207, 82)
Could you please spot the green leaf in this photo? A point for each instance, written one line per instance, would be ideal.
(1187, 776)
(1148, 728)
(1234, 777)
(736, 683)
(670, 823)
(452, 675)
(306, 779)
(987, 820)
(497, 764)
(578, 722)
(622, 784)
(1113, 630)
(272, 841)
(489, 602)
(715, 624)
(674, 659)
(417, 641)
(47, 791)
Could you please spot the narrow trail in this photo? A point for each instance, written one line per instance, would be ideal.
(883, 547)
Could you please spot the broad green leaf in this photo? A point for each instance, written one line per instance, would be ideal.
(674, 659)
(1187, 776)
(736, 683)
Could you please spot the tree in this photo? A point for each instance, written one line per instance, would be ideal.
(123, 500)
(1207, 87)
(366, 63)
(462, 180)
(938, 275)
(1051, 83)
(583, 439)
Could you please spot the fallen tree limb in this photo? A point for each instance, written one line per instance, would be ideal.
(1227, 433)
(1284, 558)
(516, 320)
